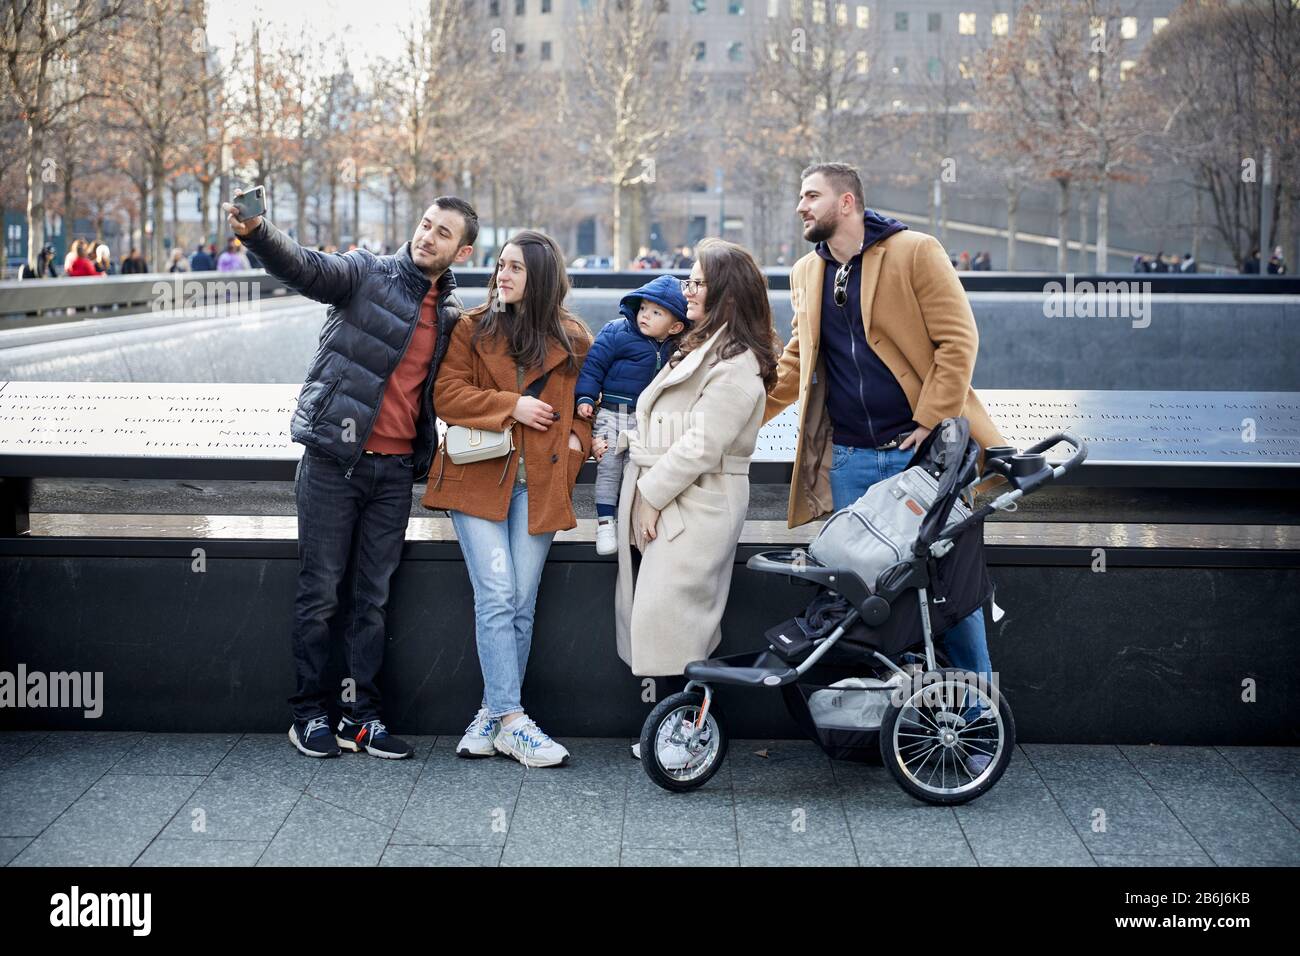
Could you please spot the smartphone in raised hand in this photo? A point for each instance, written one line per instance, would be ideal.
(251, 203)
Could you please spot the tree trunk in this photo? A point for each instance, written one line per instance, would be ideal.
(176, 215)
(1197, 199)
(159, 214)
(205, 192)
(1084, 205)
(356, 210)
(35, 195)
(1103, 229)
(616, 260)
(1062, 225)
(334, 210)
(69, 209)
(300, 208)
(943, 215)
(1013, 207)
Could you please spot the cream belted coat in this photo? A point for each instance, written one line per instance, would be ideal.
(697, 423)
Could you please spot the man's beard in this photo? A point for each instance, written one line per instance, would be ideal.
(434, 263)
(819, 231)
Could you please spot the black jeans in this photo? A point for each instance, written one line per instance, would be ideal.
(350, 536)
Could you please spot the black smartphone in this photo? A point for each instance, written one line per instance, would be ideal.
(251, 203)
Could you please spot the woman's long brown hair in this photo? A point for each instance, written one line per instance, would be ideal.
(527, 327)
(735, 299)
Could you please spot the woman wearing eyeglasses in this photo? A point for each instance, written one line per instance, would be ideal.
(686, 485)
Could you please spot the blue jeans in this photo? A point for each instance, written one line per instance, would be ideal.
(505, 565)
(350, 536)
(853, 471)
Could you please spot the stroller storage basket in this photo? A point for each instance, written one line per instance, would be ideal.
(841, 706)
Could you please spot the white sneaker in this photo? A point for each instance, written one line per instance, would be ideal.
(606, 535)
(479, 735)
(528, 744)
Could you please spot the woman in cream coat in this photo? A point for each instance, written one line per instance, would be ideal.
(686, 484)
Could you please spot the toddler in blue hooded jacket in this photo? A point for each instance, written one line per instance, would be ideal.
(626, 356)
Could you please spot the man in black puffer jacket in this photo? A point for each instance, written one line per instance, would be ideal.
(365, 416)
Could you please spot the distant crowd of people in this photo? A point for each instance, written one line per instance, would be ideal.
(647, 258)
(1276, 265)
(1163, 263)
(965, 262)
(86, 258)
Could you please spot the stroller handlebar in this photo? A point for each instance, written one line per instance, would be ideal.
(1078, 457)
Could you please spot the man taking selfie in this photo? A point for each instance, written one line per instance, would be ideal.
(365, 416)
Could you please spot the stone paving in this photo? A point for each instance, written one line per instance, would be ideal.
(124, 799)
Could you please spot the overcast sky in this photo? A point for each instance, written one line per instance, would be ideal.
(369, 28)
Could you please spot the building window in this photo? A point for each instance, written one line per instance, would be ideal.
(862, 61)
(900, 22)
(699, 6)
(932, 67)
(1097, 27)
(1031, 67)
(1125, 68)
(900, 66)
(519, 51)
(864, 16)
(736, 8)
(546, 50)
(1158, 24)
(736, 52)
(819, 11)
(521, 7)
(773, 8)
(1128, 27)
(659, 51)
(1001, 24)
(964, 68)
(966, 24)
(839, 58)
(494, 8)
(701, 50)
(546, 6)
(934, 22)
(842, 14)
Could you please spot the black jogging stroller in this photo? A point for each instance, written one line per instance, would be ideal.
(859, 669)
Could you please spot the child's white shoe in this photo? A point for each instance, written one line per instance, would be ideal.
(606, 535)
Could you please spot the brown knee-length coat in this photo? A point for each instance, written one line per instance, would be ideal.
(478, 387)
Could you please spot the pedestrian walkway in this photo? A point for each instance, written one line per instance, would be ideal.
(122, 799)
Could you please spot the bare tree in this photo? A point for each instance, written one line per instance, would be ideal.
(161, 51)
(43, 44)
(614, 101)
(1223, 81)
(438, 94)
(1032, 81)
(818, 91)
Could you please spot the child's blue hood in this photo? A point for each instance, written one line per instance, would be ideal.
(661, 290)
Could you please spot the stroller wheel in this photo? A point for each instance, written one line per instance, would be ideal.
(676, 751)
(944, 721)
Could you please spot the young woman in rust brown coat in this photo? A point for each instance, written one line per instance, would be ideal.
(507, 510)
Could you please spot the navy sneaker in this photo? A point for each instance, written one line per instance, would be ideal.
(313, 738)
(373, 737)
